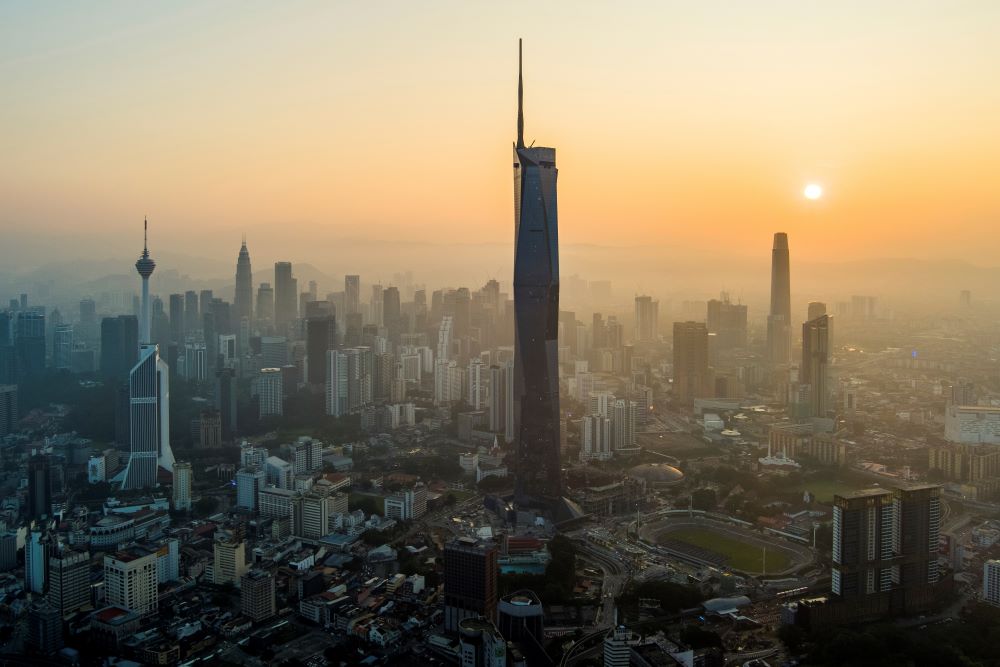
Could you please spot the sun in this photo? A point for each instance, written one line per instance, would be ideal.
(813, 191)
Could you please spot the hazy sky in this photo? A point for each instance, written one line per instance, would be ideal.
(687, 125)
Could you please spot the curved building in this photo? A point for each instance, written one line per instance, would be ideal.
(536, 319)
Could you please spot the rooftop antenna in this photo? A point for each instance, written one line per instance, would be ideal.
(145, 236)
(520, 99)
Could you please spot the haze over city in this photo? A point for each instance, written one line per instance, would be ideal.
(299, 366)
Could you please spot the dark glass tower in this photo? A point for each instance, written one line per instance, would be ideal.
(536, 319)
(779, 320)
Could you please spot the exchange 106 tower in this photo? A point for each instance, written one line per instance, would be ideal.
(536, 320)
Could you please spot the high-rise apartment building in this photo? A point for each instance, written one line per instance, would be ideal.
(62, 347)
(249, 483)
(596, 443)
(991, 582)
(692, 378)
(779, 320)
(475, 385)
(646, 319)
(815, 362)
(470, 581)
(182, 486)
(270, 393)
(8, 408)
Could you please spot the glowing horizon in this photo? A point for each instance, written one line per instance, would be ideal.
(676, 125)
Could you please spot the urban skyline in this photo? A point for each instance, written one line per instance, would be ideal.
(399, 454)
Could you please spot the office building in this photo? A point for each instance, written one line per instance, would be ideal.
(29, 344)
(8, 550)
(257, 595)
(243, 297)
(286, 295)
(249, 483)
(618, 646)
(37, 548)
(815, 309)
(149, 400)
(175, 314)
(39, 506)
(225, 397)
(182, 486)
(646, 319)
(520, 619)
(444, 340)
(692, 378)
(352, 294)
(8, 409)
(265, 306)
(815, 362)
(229, 560)
(536, 314)
(321, 337)
(480, 644)
(62, 347)
(131, 581)
(728, 321)
(779, 319)
(192, 313)
(407, 504)
(501, 387)
(210, 429)
(470, 581)
(44, 628)
(69, 580)
(270, 393)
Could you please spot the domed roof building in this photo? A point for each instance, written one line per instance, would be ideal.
(657, 475)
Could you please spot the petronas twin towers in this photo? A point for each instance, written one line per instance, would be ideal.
(536, 319)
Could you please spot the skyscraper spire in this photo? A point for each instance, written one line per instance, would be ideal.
(520, 99)
(145, 236)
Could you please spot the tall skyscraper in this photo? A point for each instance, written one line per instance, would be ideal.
(470, 581)
(29, 344)
(352, 295)
(728, 321)
(779, 320)
(182, 486)
(691, 375)
(815, 360)
(815, 309)
(131, 580)
(270, 393)
(175, 312)
(62, 347)
(119, 346)
(192, 315)
(265, 306)
(39, 488)
(286, 296)
(321, 336)
(149, 400)
(646, 319)
(538, 479)
(8, 408)
(69, 579)
(336, 383)
(243, 298)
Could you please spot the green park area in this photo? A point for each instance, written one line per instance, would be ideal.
(742, 555)
(824, 489)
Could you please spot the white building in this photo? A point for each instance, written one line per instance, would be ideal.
(596, 445)
(277, 503)
(469, 462)
(476, 395)
(972, 424)
(280, 472)
(444, 339)
(408, 504)
(131, 580)
(623, 426)
(991, 582)
(447, 382)
(336, 383)
(230, 561)
(182, 486)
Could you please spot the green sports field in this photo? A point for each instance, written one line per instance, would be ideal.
(741, 555)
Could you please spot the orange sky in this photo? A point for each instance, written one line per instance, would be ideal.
(687, 125)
